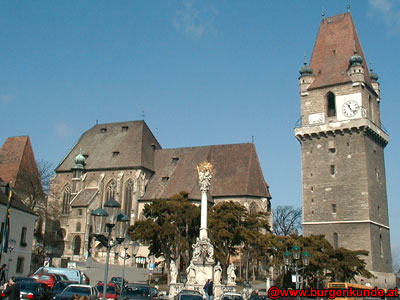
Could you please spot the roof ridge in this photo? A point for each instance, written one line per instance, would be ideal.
(204, 146)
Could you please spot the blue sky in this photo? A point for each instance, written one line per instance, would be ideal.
(201, 72)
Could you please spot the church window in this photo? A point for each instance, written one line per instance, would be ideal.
(380, 245)
(128, 197)
(76, 245)
(78, 227)
(334, 208)
(335, 240)
(66, 200)
(333, 169)
(111, 188)
(330, 97)
(253, 208)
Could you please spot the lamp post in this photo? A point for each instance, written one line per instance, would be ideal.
(109, 217)
(297, 255)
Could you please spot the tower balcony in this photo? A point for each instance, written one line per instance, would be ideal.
(341, 127)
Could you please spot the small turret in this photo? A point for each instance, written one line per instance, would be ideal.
(375, 84)
(306, 77)
(356, 70)
(78, 169)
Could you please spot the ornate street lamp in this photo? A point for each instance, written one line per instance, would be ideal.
(296, 255)
(108, 217)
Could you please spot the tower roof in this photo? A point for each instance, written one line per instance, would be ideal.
(336, 43)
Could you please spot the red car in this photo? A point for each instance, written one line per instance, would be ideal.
(112, 291)
(47, 279)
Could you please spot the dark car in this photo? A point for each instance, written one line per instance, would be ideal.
(61, 285)
(78, 289)
(33, 290)
(136, 291)
(189, 295)
(24, 279)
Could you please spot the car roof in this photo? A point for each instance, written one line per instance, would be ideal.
(231, 294)
(81, 285)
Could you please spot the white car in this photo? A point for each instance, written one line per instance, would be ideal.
(231, 296)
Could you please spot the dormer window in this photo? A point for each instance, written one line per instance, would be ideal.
(103, 130)
(115, 153)
(174, 161)
(164, 179)
(124, 128)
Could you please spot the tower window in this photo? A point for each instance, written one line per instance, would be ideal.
(333, 170)
(330, 97)
(335, 240)
(379, 210)
(380, 245)
(334, 208)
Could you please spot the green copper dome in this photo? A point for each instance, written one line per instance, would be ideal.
(373, 75)
(356, 60)
(79, 160)
(305, 70)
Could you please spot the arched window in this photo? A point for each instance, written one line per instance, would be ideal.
(66, 200)
(77, 245)
(128, 197)
(331, 104)
(335, 240)
(253, 208)
(78, 227)
(111, 188)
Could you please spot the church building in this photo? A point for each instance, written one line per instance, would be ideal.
(124, 161)
(342, 148)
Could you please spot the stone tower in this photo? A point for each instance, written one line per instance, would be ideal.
(342, 147)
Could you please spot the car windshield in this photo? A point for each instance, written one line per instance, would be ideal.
(59, 286)
(110, 289)
(232, 297)
(136, 291)
(191, 297)
(80, 290)
(28, 286)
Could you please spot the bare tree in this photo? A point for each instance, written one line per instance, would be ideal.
(46, 172)
(287, 220)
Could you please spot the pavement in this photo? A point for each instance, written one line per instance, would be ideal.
(96, 272)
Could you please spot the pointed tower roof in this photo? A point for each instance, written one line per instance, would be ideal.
(336, 43)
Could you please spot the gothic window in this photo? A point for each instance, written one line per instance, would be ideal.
(77, 245)
(128, 197)
(78, 227)
(335, 240)
(111, 188)
(330, 97)
(66, 200)
(253, 208)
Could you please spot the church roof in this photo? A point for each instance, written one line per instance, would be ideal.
(237, 172)
(336, 42)
(17, 162)
(84, 197)
(114, 145)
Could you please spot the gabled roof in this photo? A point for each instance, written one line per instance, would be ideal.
(336, 42)
(16, 203)
(17, 163)
(237, 172)
(114, 145)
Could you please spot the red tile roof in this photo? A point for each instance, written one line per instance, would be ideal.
(236, 167)
(336, 42)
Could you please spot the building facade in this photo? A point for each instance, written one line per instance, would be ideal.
(342, 148)
(124, 161)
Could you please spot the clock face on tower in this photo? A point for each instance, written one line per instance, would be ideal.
(350, 108)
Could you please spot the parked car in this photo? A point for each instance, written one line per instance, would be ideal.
(136, 291)
(112, 291)
(48, 279)
(71, 274)
(61, 285)
(189, 295)
(118, 280)
(24, 279)
(32, 290)
(153, 292)
(78, 289)
(231, 296)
